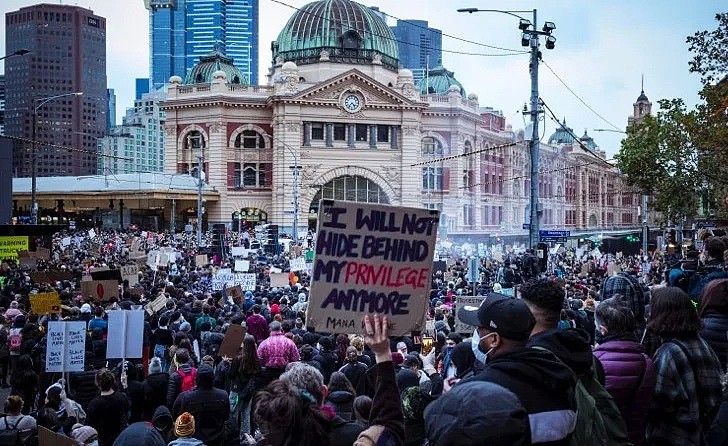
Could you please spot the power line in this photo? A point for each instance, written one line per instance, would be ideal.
(578, 97)
(453, 37)
(362, 31)
(70, 149)
(568, 130)
(474, 152)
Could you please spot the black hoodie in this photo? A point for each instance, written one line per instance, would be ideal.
(570, 346)
(545, 387)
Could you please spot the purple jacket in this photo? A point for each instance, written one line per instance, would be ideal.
(624, 363)
(257, 327)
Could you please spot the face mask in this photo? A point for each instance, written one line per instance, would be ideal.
(475, 346)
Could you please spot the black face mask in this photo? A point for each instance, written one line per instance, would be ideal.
(598, 336)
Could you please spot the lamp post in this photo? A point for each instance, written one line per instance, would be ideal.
(34, 168)
(21, 52)
(295, 169)
(645, 199)
(530, 37)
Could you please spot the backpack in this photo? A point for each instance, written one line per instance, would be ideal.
(10, 435)
(188, 379)
(598, 420)
(15, 341)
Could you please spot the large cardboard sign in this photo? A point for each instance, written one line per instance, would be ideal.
(9, 246)
(239, 251)
(226, 278)
(201, 260)
(50, 276)
(230, 344)
(298, 264)
(106, 274)
(130, 273)
(371, 259)
(47, 437)
(65, 346)
(278, 280)
(462, 301)
(125, 334)
(45, 303)
(156, 305)
(236, 293)
(100, 290)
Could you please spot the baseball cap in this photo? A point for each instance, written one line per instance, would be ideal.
(505, 315)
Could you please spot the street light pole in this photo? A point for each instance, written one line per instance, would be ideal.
(200, 171)
(33, 155)
(296, 167)
(530, 38)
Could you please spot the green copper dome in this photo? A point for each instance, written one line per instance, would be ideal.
(203, 72)
(439, 81)
(349, 32)
(588, 141)
(562, 136)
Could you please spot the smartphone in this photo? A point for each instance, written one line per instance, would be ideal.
(427, 344)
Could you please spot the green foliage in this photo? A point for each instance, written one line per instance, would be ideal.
(659, 157)
(710, 58)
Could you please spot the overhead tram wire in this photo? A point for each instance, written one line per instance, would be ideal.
(362, 31)
(474, 152)
(576, 139)
(70, 149)
(578, 97)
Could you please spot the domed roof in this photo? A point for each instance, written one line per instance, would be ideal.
(562, 136)
(204, 71)
(348, 31)
(439, 81)
(642, 97)
(588, 141)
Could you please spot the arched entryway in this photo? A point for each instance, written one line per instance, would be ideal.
(592, 221)
(348, 188)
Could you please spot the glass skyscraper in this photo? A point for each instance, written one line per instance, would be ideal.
(183, 30)
(420, 46)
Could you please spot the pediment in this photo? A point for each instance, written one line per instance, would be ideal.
(375, 94)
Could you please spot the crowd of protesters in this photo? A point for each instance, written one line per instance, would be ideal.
(594, 349)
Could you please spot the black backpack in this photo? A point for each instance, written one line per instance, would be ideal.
(10, 435)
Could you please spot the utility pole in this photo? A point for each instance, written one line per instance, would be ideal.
(531, 37)
(200, 170)
(645, 228)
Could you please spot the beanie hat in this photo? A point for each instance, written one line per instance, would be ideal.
(155, 365)
(184, 425)
(185, 326)
(83, 434)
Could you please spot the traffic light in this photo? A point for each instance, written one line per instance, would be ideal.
(271, 243)
(219, 239)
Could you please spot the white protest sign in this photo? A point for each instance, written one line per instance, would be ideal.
(596, 253)
(226, 278)
(274, 270)
(65, 346)
(65, 242)
(125, 334)
(91, 233)
(371, 259)
(153, 259)
(242, 266)
(298, 264)
(239, 251)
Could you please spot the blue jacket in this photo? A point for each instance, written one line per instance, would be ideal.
(715, 333)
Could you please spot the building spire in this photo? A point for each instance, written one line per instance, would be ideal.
(643, 83)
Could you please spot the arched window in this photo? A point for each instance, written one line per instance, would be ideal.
(351, 188)
(236, 79)
(249, 139)
(431, 146)
(199, 79)
(351, 40)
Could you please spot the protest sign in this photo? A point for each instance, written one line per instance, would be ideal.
(50, 276)
(239, 251)
(9, 246)
(236, 293)
(47, 437)
(440, 266)
(106, 274)
(130, 273)
(125, 334)
(100, 290)
(242, 266)
(371, 259)
(278, 280)
(225, 277)
(65, 346)
(156, 305)
(466, 301)
(91, 233)
(274, 270)
(201, 260)
(230, 344)
(613, 269)
(27, 262)
(65, 242)
(45, 303)
(298, 264)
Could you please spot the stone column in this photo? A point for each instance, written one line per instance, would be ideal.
(394, 137)
(329, 134)
(307, 134)
(372, 136)
(351, 137)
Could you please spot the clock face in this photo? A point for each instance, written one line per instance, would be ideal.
(352, 103)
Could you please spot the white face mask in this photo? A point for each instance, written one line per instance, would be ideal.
(475, 345)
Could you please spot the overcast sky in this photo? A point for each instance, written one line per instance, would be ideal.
(603, 48)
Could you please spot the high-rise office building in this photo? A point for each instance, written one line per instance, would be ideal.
(142, 87)
(183, 30)
(67, 55)
(419, 45)
(111, 112)
(137, 145)
(2, 104)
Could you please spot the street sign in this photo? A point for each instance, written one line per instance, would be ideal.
(553, 236)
